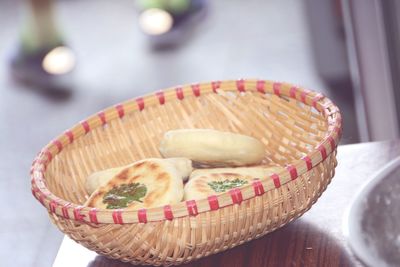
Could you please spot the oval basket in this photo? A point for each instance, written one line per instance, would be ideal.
(300, 129)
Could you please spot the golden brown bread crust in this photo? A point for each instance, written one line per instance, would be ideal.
(183, 167)
(162, 181)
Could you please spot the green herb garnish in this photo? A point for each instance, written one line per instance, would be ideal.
(222, 186)
(121, 196)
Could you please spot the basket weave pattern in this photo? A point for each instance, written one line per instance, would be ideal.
(300, 129)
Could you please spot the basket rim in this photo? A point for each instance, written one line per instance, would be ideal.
(234, 196)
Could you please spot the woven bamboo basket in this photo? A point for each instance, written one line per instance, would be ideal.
(300, 128)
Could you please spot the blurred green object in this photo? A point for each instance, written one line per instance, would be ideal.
(41, 59)
(38, 28)
(173, 6)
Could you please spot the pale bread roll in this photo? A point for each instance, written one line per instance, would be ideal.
(256, 172)
(97, 179)
(198, 187)
(183, 167)
(207, 147)
(159, 181)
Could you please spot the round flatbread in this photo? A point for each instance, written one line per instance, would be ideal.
(95, 180)
(206, 182)
(144, 184)
(213, 184)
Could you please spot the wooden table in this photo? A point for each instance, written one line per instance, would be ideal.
(315, 239)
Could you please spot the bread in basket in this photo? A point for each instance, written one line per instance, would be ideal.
(300, 128)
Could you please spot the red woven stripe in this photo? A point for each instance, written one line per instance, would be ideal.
(168, 212)
(120, 109)
(85, 126)
(196, 89)
(332, 142)
(102, 117)
(215, 85)
(179, 93)
(64, 210)
(315, 99)
(70, 136)
(41, 197)
(140, 103)
(261, 86)
(258, 188)
(48, 155)
(275, 178)
(322, 149)
(213, 202)
(53, 205)
(142, 216)
(277, 88)
(117, 216)
(338, 131)
(161, 97)
(77, 213)
(58, 144)
(307, 159)
(240, 85)
(192, 207)
(33, 190)
(303, 96)
(236, 195)
(93, 215)
(292, 171)
(292, 92)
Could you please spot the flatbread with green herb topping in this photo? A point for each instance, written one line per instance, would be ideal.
(205, 182)
(209, 184)
(100, 178)
(143, 184)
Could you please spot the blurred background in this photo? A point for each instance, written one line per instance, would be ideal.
(62, 60)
